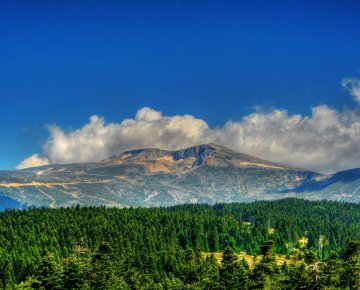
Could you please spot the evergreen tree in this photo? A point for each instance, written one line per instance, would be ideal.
(232, 274)
(351, 275)
(102, 268)
(73, 274)
(266, 274)
(49, 274)
(210, 274)
(297, 278)
(332, 271)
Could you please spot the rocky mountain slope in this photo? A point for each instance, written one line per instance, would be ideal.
(207, 173)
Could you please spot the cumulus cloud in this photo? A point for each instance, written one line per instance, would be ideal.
(353, 86)
(327, 140)
(32, 161)
(97, 140)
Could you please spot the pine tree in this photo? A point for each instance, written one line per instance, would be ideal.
(73, 274)
(332, 271)
(210, 273)
(266, 274)
(49, 274)
(351, 276)
(214, 239)
(102, 270)
(297, 278)
(232, 274)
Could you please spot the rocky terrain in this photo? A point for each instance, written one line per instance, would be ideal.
(207, 173)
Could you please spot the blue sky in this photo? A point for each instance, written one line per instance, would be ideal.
(64, 61)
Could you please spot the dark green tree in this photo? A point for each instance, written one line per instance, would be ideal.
(332, 271)
(351, 276)
(266, 274)
(49, 274)
(232, 273)
(102, 268)
(73, 274)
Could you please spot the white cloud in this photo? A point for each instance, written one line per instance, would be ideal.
(147, 114)
(97, 140)
(327, 140)
(32, 161)
(353, 86)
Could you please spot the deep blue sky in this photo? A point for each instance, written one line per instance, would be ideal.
(63, 61)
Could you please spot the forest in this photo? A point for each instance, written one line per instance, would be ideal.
(295, 244)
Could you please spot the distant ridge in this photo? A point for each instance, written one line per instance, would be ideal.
(206, 173)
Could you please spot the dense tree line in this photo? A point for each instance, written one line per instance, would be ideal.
(102, 270)
(160, 248)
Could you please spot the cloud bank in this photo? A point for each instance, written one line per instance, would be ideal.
(327, 140)
(32, 161)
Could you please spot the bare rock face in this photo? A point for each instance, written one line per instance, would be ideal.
(207, 173)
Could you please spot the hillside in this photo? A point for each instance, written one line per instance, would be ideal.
(206, 173)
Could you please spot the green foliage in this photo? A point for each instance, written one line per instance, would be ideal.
(160, 248)
(351, 275)
(266, 274)
(233, 274)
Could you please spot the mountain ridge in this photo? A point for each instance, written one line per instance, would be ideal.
(206, 173)
(200, 152)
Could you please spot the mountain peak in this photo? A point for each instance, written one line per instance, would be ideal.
(197, 153)
(210, 154)
(151, 177)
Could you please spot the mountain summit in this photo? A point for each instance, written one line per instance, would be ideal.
(210, 154)
(206, 173)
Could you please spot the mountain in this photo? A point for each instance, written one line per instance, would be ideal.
(206, 173)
